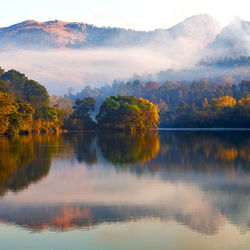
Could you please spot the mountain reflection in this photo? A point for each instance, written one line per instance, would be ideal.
(68, 217)
(198, 179)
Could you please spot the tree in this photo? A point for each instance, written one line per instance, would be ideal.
(6, 87)
(35, 94)
(17, 81)
(46, 119)
(128, 113)
(16, 115)
(6, 108)
(224, 102)
(81, 119)
(151, 86)
(18, 85)
(205, 105)
(83, 107)
(27, 113)
(22, 99)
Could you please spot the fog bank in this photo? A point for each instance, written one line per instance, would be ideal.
(61, 69)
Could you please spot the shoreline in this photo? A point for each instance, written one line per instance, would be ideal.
(203, 129)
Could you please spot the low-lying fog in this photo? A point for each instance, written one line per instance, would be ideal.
(60, 69)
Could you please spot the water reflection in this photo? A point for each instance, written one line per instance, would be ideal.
(25, 160)
(198, 179)
(124, 149)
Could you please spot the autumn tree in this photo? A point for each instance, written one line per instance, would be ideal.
(24, 105)
(224, 102)
(128, 113)
(6, 108)
(16, 115)
(46, 119)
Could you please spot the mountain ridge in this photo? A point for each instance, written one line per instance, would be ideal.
(58, 34)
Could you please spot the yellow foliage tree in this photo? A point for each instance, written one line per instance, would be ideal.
(6, 108)
(224, 102)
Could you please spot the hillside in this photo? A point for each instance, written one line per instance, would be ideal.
(201, 30)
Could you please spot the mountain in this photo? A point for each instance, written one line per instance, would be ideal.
(200, 30)
(201, 27)
(233, 40)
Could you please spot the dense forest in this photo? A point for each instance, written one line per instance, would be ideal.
(206, 103)
(26, 107)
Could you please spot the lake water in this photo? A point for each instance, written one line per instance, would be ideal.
(171, 190)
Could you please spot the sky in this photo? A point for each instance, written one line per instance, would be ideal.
(133, 14)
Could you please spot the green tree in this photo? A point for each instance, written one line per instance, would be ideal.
(17, 81)
(83, 107)
(46, 119)
(81, 117)
(128, 113)
(36, 94)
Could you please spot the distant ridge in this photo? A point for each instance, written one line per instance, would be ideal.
(200, 29)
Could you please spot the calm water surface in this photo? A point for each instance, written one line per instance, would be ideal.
(172, 190)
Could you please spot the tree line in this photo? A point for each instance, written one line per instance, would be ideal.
(197, 104)
(26, 107)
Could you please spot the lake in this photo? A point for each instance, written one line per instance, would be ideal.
(167, 190)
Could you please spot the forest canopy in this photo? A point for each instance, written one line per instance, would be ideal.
(207, 103)
(24, 106)
(128, 113)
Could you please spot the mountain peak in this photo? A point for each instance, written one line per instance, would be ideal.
(204, 17)
(204, 26)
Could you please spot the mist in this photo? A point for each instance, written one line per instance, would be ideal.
(61, 69)
(233, 41)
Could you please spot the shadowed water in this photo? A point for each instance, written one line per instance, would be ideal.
(172, 190)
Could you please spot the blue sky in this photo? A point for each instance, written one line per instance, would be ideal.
(134, 14)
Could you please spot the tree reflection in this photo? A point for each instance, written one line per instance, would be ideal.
(203, 152)
(207, 171)
(25, 160)
(123, 149)
(84, 146)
